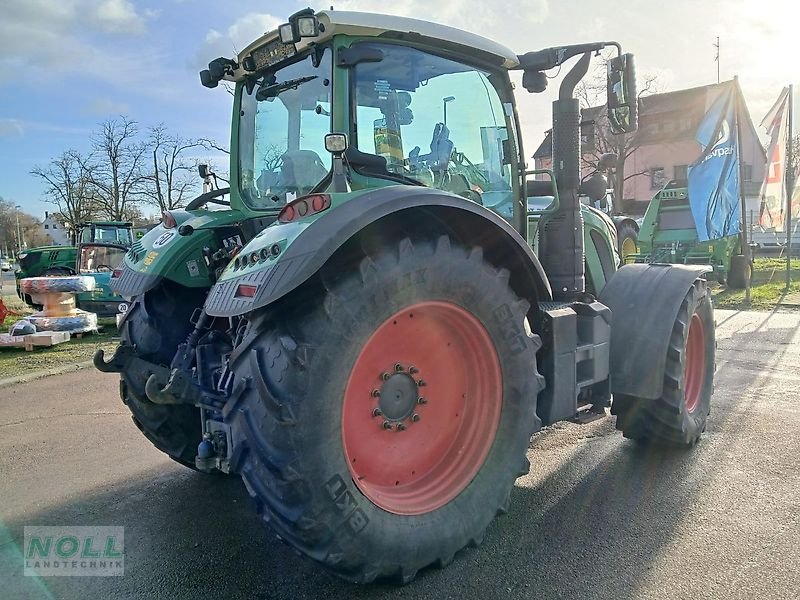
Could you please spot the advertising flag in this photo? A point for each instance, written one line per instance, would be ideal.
(773, 189)
(714, 177)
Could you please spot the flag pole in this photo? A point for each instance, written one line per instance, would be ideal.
(743, 238)
(789, 189)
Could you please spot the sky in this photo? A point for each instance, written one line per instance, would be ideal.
(66, 65)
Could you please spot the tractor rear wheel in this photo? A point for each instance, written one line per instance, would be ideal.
(380, 421)
(158, 322)
(739, 272)
(678, 418)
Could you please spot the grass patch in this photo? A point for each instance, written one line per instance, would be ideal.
(16, 361)
(768, 288)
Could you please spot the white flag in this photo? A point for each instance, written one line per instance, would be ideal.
(773, 189)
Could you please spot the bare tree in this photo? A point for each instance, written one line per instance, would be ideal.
(119, 158)
(591, 94)
(171, 179)
(69, 185)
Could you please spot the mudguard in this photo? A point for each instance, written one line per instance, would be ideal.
(293, 252)
(163, 253)
(644, 302)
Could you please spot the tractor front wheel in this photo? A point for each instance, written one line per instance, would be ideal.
(381, 419)
(678, 418)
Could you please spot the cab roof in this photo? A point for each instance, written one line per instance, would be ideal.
(376, 25)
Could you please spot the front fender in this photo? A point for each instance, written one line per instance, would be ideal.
(302, 248)
(644, 302)
(163, 253)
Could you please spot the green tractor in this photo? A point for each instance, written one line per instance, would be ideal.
(668, 235)
(388, 304)
(101, 247)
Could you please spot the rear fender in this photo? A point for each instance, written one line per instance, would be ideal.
(302, 248)
(644, 302)
(164, 253)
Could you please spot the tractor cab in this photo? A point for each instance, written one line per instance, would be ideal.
(101, 248)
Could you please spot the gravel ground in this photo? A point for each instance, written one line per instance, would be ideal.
(597, 517)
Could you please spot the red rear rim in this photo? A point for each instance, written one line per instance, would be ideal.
(421, 408)
(695, 371)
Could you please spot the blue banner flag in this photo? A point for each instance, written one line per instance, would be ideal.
(714, 177)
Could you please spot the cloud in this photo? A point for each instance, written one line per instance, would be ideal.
(244, 30)
(113, 16)
(61, 37)
(105, 107)
(11, 128)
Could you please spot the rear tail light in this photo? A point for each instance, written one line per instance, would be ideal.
(246, 291)
(304, 206)
(167, 220)
(116, 273)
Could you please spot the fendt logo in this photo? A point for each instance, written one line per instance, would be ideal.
(76, 551)
(723, 146)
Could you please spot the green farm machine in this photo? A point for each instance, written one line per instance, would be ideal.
(376, 319)
(668, 235)
(101, 247)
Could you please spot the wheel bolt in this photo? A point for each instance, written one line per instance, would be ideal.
(421, 400)
(385, 376)
(401, 427)
(412, 369)
(387, 425)
(415, 417)
(376, 412)
(376, 393)
(421, 383)
(398, 367)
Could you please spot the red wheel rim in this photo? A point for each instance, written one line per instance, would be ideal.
(421, 408)
(695, 369)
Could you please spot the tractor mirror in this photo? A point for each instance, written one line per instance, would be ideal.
(202, 170)
(595, 187)
(622, 99)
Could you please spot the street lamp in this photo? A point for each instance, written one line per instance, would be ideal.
(444, 106)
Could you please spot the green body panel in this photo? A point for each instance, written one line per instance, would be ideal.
(35, 261)
(594, 220)
(163, 252)
(668, 235)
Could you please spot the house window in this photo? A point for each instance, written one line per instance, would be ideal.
(656, 178)
(747, 173)
(46, 226)
(679, 173)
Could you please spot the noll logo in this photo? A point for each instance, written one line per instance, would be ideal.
(76, 551)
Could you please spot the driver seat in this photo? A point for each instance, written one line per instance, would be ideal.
(301, 170)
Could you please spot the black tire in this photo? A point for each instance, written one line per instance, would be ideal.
(626, 231)
(158, 322)
(58, 272)
(739, 273)
(669, 420)
(286, 413)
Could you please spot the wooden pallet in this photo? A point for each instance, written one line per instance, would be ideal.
(42, 339)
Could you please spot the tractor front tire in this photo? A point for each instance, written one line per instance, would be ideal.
(627, 240)
(379, 420)
(678, 418)
(158, 322)
(739, 273)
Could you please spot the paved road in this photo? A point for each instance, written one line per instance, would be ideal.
(596, 518)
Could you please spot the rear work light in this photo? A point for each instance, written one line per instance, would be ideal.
(303, 207)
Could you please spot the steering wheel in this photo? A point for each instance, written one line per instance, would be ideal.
(211, 197)
(103, 268)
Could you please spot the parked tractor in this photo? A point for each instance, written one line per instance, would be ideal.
(101, 247)
(669, 235)
(364, 332)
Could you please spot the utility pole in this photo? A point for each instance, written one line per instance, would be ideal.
(716, 58)
(789, 188)
(20, 239)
